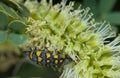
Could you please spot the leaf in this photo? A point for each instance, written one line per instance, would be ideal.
(19, 8)
(113, 17)
(3, 36)
(93, 6)
(106, 5)
(25, 12)
(28, 70)
(8, 10)
(17, 38)
(3, 20)
(17, 26)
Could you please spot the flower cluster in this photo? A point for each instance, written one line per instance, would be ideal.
(74, 32)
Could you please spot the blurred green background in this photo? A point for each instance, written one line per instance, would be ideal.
(13, 19)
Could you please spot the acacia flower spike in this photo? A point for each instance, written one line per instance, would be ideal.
(75, 33)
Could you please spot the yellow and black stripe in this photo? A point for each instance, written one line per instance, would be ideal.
(46, 58)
